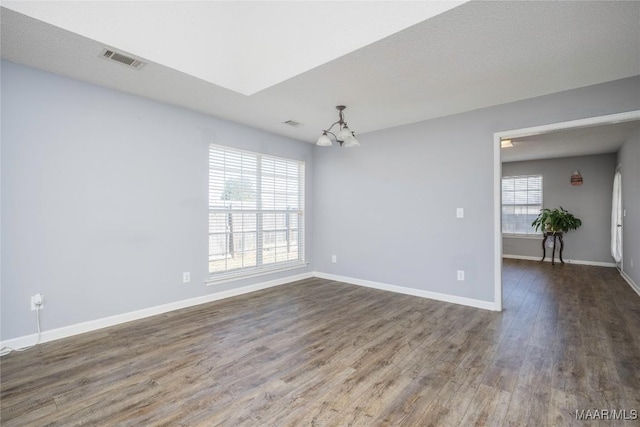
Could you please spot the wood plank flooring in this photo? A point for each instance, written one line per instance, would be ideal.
(323, 353)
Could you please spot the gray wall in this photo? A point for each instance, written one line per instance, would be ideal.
(387, 210)
(629, 161)
(104, 199)
(591, 202)
(104, 196)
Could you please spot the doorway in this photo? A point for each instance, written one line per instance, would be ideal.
(497, 167)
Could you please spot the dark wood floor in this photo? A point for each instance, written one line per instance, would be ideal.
(324, 353)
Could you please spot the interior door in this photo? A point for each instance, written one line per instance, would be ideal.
(616, 219)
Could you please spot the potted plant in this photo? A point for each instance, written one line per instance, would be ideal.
(555, 221)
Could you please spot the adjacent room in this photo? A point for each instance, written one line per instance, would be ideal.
(550, 171)
(319, 213)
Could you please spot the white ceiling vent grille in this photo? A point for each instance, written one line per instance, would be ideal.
(122, 58)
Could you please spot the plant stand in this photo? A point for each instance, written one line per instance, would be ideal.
(548, 234)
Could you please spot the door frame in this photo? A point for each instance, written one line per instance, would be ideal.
(497, 176)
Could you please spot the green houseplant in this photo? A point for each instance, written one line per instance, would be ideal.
(557, 220)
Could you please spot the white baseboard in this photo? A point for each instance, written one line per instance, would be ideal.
(92, 325)
(487, 305)
(567, 261)
(631, 283)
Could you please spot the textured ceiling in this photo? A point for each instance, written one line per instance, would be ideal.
(476, 55)
(582, 141)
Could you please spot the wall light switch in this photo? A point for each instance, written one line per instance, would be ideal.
(460, 274)
(186, 277)
(460, 213)
(334, 259)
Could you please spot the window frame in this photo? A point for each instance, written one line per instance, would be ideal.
(262, 214)
(532, 234)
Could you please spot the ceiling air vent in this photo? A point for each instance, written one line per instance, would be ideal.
(121, 58)
(292, 123)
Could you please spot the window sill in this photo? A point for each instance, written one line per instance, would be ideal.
(239, 276)
(522, 236)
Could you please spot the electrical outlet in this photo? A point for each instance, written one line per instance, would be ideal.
(186, 277)
(459, 212)
(334, 259)
(37, 302)
(460, 274)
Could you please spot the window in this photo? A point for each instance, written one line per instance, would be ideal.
(256, 213)
(521, 203)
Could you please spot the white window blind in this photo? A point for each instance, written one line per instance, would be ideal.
(256, 213)
(521, 203)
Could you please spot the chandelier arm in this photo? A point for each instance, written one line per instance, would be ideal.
(334, 135)
(331, 127)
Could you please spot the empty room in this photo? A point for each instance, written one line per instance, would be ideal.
(297, 213)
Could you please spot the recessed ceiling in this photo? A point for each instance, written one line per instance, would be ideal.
(245, 46)
(601, 139)
(476, 55)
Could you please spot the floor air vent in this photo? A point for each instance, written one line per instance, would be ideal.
(121, 58)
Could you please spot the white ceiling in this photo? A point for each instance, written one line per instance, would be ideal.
(475, 55)
(249, 45)
(582, 141)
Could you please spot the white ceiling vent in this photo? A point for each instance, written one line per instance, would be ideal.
(122, 58)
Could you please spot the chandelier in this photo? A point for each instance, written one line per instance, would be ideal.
(345, 137)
